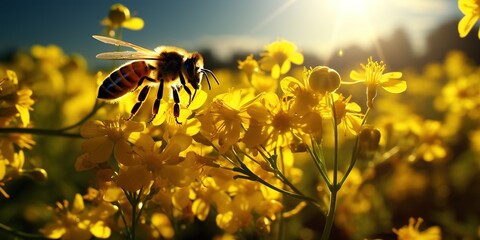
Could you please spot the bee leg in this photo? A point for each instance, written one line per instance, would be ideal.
(141, 97)
(176, 106)
(184, 84)
(156, 104)
(141, 82)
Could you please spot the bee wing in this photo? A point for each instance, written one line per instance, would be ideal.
(117, 42)
(128, 55)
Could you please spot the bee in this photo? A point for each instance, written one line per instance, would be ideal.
(165, 67)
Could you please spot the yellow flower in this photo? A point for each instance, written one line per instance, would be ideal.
(105, 137)
(348, 113)
(373, 76)
(79, 222)
(14, 101)
(119, 16)
(226, 117)
(264, 83)
(412, 232)
(209, 192)
(8, 144)
(249, 66)
(187, 109)
(430, 146)
(474, 137)
(236, 215)
(161, 226)
(461, 96)
(271, 123)
(51, 57)
(279, 56)
(471, 10)
(302, 98)
(155, 162)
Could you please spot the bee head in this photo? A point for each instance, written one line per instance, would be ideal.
(193, 70)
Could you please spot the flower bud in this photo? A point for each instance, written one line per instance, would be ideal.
(37, 174)
(323, 79)
(369, 138)
(264, 225)
(118, 14)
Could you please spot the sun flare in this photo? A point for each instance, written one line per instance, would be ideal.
(353, 6)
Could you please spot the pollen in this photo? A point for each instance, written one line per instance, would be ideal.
(374, 71)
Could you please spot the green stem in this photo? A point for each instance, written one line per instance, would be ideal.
(123, 219)
(19, 233)
(38, 131)
(355, 150)
(320, 168)
(330, 217)
(333, 196)
(61, 132)
(267, 184)
(277, 172)
(134, 217)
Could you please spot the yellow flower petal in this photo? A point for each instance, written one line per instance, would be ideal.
(201, 209)
(100, 148)
(84, 163)
(356, 76)
(91, 129)
(199, 99)
(276, 71)
(134, 23)
(112, 194)
(177, 175)
(100, 230)
(285, 67)
(123, 153)
(132, 126)
(290, 84)
(391, 75)
(464, 7)
(24, 114)
(297, 58)
(53, 230)
(466, 24)
(394, 86)
(133, 178)
(162, 224)
(78, 204)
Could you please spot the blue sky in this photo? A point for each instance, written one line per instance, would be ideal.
(318, 26)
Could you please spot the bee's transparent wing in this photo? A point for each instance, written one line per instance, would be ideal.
(117, 42)
(127, 55)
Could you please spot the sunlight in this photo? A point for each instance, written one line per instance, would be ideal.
(361, 27)
(275, 13)
(354, 6)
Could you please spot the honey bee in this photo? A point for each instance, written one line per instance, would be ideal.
(165, 66)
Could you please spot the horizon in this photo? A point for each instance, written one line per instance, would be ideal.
(228, 29)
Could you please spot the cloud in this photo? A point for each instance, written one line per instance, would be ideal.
(223, 46)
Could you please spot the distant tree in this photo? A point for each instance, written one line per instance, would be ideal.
(445, 38)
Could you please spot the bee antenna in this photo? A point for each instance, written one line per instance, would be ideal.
(211, 73)
(208, 80)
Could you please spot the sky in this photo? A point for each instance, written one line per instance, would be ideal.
(317, 26)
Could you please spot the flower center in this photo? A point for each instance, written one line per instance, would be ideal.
(280, 57)
(281, 122)
(374, 71)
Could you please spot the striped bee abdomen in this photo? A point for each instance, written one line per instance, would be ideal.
(123, 80)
